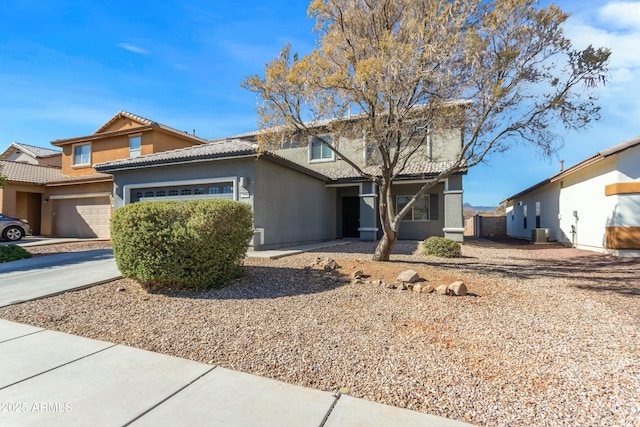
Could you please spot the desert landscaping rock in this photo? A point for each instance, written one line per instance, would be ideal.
(554, 339)
(426, 289)
(408, 276)
(458, 288)
(330, 264)
(442, 290)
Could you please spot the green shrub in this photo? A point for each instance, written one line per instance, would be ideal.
(195, 244)
(439, 246)
(13, 253)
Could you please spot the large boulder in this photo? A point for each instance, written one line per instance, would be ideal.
(458, 288)
(408, 276)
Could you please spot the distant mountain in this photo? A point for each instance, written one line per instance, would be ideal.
(469, 208)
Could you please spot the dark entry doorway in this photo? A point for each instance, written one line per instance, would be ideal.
(350, 216)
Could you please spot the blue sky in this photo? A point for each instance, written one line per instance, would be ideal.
(66, 67)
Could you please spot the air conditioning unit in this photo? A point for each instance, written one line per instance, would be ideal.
(540, 235)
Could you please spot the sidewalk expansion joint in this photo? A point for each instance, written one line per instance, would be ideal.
(59, 366)
(333, 405)
(168, 397)
(22, 336)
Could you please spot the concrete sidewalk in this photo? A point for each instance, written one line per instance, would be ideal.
(56, 379)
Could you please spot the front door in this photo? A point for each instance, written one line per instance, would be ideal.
(350, 216)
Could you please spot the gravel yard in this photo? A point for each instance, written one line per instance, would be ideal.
(549, 337)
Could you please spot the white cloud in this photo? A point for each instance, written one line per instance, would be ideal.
(603, 29)
(621, 15)
(134, 49)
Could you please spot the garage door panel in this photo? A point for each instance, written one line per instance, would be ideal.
(87, 217)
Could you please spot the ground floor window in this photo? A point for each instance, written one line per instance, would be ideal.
(419, 211)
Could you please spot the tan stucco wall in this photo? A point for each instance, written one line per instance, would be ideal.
(121, 124)
(55, 161)
(23, 201)
(9, 205)
(117, 147)
(160, 141)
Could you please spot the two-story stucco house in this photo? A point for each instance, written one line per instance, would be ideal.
(300, 192)
(72, 199)
(593, 205)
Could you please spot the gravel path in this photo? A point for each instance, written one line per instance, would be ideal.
(550, 336)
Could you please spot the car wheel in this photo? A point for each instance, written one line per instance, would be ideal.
(12, 233)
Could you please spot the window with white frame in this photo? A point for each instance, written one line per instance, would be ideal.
(82, 154)
(319, 150)
(135, 146)
(419, 211)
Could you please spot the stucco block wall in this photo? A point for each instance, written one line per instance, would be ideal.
(292, 207)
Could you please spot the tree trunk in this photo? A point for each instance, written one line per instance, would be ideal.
(386, 215)
(385, 246)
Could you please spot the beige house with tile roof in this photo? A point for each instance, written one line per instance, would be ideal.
(24, 153)
(73, 200)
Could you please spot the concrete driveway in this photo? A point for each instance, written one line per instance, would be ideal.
(38, 277)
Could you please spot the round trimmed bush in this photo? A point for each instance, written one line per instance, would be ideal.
(194, 244)
(439, 246)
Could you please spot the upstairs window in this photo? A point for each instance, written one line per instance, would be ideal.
(82, 154)
(135, 143)
(319, 150)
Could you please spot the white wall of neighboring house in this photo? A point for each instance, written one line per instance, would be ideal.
(583, 192)
(575, 206)
(547, 199)
(626, 211)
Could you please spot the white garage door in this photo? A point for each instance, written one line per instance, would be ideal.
(82, 217)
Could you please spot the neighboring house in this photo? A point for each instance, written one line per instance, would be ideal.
(594, 205)
(25, 190)
(76, 201)
(299, 193)
(23, 153)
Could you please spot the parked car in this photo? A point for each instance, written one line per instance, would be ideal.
(13, 229)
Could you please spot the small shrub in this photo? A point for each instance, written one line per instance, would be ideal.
(439, 246)
(195, 244)
(13, 253)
